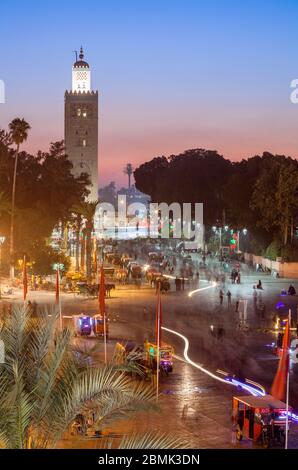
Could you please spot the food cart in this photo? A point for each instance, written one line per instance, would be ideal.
(82, 325)
(146, 355)
(98, 325)
(166, 353)
(261, 418)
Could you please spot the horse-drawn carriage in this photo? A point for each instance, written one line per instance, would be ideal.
(155, 256)
(91, 290)
(83, 288)
(136, 271)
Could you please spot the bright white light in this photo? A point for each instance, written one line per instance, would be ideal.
(186, 357)
(191, 293)
(234, 382)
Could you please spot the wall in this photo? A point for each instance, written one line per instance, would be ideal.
(282, 268)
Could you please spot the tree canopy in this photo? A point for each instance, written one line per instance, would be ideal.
(258, 193)
(45, 194)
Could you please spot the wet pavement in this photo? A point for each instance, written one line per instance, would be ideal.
(206, 420)
(193, 407)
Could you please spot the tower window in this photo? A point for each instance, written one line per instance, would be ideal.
(79, 111)
(84, 114)
(84, 142)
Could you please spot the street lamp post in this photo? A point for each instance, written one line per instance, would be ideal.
(244, 231)
(57, 267)
(219, 229)
(2, 240)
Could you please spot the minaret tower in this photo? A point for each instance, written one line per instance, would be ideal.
(81, 124)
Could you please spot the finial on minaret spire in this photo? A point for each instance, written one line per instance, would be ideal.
(81, 53)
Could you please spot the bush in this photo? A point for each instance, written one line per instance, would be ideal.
(273, 251)
(257, 247)
(44, 259)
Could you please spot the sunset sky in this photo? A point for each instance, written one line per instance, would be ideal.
(172, 74)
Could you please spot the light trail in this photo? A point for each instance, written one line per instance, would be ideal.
(192, 292)
(236, 383)
(252, 382)
(169, 276)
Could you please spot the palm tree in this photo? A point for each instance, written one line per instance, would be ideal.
(128, 170)
(78, 225)
(4, 203)
(87, 210)
(19, 133)
(83, 250)
(45, 383)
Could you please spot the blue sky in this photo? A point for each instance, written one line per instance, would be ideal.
(172, 74)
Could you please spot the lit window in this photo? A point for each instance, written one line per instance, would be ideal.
(79, 112)
(84, 113)
(84, 143)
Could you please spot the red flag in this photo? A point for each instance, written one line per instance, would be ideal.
(25, 279)
(57, 286)
(280, 381)
(158, 320)
(101, 293)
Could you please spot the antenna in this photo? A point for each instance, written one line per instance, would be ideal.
(76, 53)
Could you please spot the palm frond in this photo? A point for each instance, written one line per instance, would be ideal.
(45, 383)
(152, 440)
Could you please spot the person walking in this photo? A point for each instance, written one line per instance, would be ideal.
(262, 311)
(234, 432)
(221, 296)
(229, 296)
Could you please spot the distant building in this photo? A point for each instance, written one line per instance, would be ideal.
(81, 124)
(134, 195)
(109, 194)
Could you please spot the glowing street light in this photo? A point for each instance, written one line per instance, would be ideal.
(244, 231)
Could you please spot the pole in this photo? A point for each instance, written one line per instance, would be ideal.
(102, 309)
(288, 386)
(238, 241)
(158, 346)
(105, 335)
(220, 243)
(0, 266)
(25, 280)
(59, 300)
(105, 332)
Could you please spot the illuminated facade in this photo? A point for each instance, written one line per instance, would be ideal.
(81, 124)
